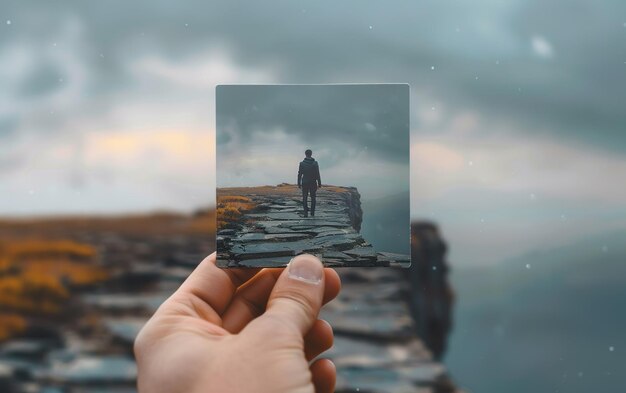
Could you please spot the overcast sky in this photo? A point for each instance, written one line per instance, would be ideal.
(359, 135)
(517, 107)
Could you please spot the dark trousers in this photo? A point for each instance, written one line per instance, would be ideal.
(309, 189)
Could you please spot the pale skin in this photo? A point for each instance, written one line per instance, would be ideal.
(241, 330)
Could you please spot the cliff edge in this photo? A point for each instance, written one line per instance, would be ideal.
(266, 226)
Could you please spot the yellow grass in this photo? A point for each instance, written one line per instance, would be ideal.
(144, 225)
(40, 267)
(37, 276)
(334, 189)
(230, 209)
(11, 324)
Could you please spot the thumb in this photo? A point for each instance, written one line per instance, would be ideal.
(297, 296)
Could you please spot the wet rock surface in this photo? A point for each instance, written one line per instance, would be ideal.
(277, 228)
(88, 347)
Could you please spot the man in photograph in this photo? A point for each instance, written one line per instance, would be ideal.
(309, 180)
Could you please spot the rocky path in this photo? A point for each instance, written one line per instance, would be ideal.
(276, 229)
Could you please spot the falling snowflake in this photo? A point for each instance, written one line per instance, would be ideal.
(541, 47)
(476, 78)
(432, 68)
(434, 267)
(611, 349)
(371, 27)
(497, 62)
(533, 196)
(528, 266)
(605, 248)
(470, 163)
(8, 21)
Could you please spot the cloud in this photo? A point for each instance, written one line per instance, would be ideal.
(326, 43)
(321, 116)
(429, 156)
(204, 71)
(518, 166)
(503, 194)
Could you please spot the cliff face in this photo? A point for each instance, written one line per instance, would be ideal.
(431, 297)
(353, 201)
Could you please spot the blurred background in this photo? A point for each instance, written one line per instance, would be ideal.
(518, 154)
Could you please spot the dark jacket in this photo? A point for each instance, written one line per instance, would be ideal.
(309, 172)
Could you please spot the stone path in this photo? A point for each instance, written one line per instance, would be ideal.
(275, 230)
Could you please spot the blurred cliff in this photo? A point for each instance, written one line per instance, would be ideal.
(75, 291)
(431, 298)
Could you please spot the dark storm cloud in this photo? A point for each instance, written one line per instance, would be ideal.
(578, 93)
(8, 126)
(372, 117)
(42, 81)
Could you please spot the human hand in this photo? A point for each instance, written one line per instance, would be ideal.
(241, 330)
(299, 185)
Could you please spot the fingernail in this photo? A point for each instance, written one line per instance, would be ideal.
(306, 268)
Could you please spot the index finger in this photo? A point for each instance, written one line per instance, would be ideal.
(213, 286)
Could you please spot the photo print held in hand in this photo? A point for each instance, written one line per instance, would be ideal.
(317, 169)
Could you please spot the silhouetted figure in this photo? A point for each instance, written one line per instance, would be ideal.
(309, 180)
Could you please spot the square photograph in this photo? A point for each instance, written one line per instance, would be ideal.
(317, 169)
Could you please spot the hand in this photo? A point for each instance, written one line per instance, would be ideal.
(299, 186)
(320, 185)
(241, 330)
